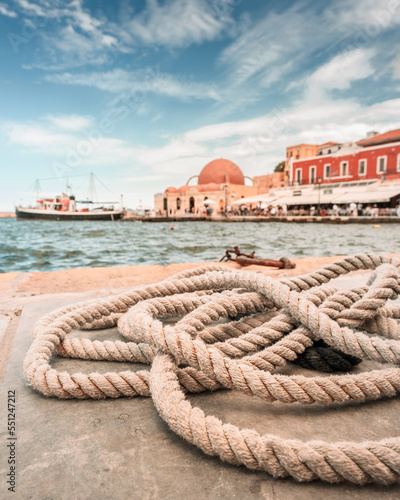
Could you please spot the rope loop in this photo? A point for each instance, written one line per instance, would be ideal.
(235, 329)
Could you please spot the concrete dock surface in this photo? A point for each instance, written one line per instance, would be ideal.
(122, 449)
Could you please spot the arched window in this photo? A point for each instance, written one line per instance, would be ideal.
(178, 203)
(191, 204)
(165, 204)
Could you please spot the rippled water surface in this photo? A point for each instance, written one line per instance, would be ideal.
(50, 246)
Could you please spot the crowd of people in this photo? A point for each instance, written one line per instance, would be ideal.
(270, 210)
(334, 210)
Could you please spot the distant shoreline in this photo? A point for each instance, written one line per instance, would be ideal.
(7, 215)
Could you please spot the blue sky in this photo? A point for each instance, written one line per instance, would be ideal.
(145, 93)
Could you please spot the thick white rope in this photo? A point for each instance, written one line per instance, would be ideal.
(194, 355)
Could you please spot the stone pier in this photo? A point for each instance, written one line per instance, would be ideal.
(122, 449)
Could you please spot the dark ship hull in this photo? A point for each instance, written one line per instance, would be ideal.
(37, 214)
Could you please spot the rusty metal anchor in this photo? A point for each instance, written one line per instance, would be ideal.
(245, 259)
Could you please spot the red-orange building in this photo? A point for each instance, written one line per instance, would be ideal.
(376, 157)
(295, 153)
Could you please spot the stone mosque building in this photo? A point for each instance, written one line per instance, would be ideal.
(220, 183)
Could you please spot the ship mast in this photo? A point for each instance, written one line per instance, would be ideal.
(37, 189)
(68, 189)
(92, 188)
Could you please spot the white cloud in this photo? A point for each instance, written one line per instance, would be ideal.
(371, 17)
(176, 23)
(49, 135)
(31, 8)
(73, 123)
(279, 46)
(257, 143)
(71, 35)
(246, 141)
(82, 18)
(66, 140)
(395, 66)
(34, 136)
(5, 11)
(138, 83)
(75, 37)
(73, 49)
(177, 148)
(225, 130)
(269, 44)
(379, 112)
(342, 70)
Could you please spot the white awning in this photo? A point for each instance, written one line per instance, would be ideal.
(259, 198)
(380, 193)
(310, 199)
(379, 196)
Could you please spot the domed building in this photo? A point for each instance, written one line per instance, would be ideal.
(219, 184)
(221, 172)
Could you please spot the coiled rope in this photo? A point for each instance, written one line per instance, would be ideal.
(288, 316)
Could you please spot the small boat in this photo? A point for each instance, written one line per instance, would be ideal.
(66, 208)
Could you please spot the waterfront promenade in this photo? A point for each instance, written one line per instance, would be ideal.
(117, 449)
(343, 219)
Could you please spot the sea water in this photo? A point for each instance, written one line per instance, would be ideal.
(54, 245)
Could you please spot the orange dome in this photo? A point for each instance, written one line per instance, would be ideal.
(171, 190)
(182, 189)
(221, 171)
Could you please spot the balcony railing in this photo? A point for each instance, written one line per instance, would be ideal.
(303, 182)
(355, 177)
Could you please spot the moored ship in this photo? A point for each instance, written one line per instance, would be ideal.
(66, 208)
